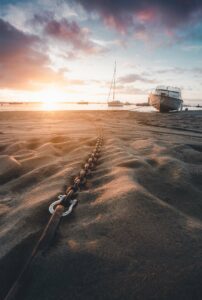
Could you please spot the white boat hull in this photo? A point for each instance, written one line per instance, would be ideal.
(164, 103)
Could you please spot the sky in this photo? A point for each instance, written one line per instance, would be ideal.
(64, 50)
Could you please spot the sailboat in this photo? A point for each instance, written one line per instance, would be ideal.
(114, 102)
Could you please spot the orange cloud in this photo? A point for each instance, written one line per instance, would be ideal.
(22, 66)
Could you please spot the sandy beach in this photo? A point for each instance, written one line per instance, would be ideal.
(137, 231)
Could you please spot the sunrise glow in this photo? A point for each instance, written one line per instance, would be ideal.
(50, 105)
(53, 51)
(51, 95)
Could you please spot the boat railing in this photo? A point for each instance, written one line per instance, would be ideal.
(168, 88)
(175, 94)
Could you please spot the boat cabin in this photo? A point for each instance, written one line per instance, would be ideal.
(168, 91)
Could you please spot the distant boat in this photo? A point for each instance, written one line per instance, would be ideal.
(142, 104)
(82, 102)
(166, 98)
(114, 102)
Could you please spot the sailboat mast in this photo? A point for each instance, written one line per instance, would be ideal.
(114, 84)
(112, 90)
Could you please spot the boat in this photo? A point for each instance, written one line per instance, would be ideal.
(82, 102)
(113, 103)
(166, 98)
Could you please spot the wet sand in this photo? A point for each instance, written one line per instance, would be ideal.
(137, 231)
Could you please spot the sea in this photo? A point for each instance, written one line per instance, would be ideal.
(50, 106)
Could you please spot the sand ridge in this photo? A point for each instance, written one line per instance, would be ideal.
(136, 233)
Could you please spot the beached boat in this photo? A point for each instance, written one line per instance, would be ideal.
(113, 102)
(166, 98)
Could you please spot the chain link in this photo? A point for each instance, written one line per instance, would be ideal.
(68, 200)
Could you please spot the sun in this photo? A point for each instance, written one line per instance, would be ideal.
(50, 97)
(50, 106)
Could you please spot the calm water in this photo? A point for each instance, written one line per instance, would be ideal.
(71, 106)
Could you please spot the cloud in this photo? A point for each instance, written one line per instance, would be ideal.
(111, 43)
(68, 32)
(180, 71)
(131, 78)
(76, 82)
(130, 90)
(197, 71)
(133, 91)
(175, 70)
(21, 65)
(14, 41)
(123, 15)
(191, 48)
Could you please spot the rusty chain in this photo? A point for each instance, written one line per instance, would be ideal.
(68, 199)
(62, 207)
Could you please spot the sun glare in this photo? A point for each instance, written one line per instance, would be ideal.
(50, 98)
(50, 106)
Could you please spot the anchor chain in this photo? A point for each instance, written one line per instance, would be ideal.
(68, 200)
(60, 208)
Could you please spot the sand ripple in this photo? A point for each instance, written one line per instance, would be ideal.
(136, 233)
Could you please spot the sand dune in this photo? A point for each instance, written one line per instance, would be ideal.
(136, 233)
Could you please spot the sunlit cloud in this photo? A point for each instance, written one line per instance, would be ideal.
(131, 78)
(22, 66)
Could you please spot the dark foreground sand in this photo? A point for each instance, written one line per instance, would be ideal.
(137, 231)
